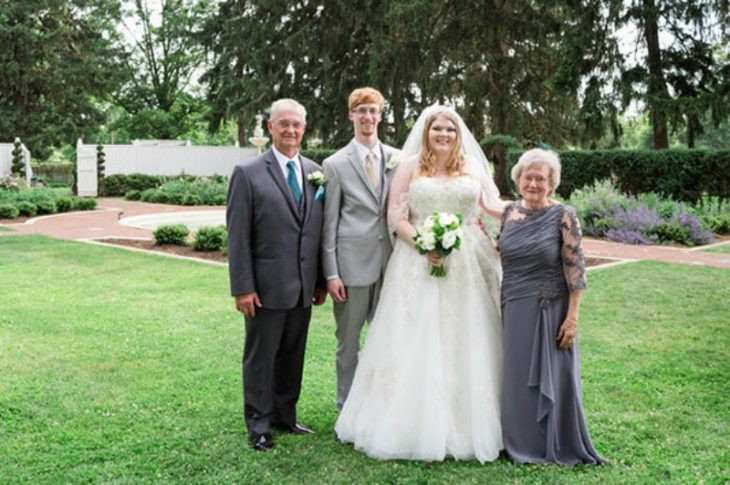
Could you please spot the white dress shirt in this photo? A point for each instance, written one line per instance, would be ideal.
(283, 160)
(362, 152)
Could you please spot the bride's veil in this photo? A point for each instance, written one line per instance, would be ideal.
(476, 165)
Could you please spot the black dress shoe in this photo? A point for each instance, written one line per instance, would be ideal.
(262, 442)
(295, 428)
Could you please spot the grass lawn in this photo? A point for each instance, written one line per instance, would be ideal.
(5, 229)
(125, 367)
(725, 248)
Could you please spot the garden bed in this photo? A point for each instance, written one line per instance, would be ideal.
(149, 245)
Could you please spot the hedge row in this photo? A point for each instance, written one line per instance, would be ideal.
(54, 172)
(120, 184)
(680, 174)
(677, 173)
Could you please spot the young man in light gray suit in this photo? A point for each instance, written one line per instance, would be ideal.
(274, 223)
(355, 240)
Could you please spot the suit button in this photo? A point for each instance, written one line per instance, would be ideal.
(301, 259)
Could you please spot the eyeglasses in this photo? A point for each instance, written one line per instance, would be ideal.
(285, 125)
(362, 111)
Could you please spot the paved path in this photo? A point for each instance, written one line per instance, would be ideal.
(105, 222)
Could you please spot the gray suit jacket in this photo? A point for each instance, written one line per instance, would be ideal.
(273, 246)
(355, 240)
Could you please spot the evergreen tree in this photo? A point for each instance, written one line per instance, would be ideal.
(58, 60)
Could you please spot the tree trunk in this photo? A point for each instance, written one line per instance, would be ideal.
(658, 94)
(241, 130)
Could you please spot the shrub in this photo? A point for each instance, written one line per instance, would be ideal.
(684, 228)
(635, 225)
(65, 204)
(8, 211)
(133, 195)
(119, 184)
(150, 195)
(718, 224)
(84, 204)
(171, 234)
(646, 219)
(594, 203)
(192, 199)
(210, 238)
(47, 207)
(26, 209)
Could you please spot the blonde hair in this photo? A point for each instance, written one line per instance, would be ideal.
(538, 157)
(365, 95)
(427, 158)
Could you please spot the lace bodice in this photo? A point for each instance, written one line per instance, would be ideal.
(457, 195)
(541, 251)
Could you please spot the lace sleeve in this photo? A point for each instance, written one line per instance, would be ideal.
(574, 267)
(398, 207)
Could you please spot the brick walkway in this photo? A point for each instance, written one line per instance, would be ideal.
(104, 222)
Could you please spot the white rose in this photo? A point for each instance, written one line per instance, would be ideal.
(447, 219)
(429, 223)
(428, 241)
(449, 239)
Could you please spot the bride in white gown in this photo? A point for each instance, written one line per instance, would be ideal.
(428, 381)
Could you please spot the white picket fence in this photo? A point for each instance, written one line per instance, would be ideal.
(160, 159)
(6, 160)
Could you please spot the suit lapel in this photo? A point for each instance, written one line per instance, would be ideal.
(359, 169)
(275, 172)
(387, 174)
(308, 190)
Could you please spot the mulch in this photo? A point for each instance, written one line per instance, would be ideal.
(167, 248)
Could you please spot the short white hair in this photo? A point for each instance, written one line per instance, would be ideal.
(287, 104)
(538, 157)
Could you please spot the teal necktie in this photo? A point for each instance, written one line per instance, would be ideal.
(291, 179)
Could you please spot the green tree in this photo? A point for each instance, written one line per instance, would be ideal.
(58, 60)
(687, 64)
(159, 98)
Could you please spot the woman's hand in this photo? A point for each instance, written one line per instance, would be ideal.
(567, 333)
(435, 259)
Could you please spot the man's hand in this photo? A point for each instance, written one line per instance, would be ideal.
(336, 289)
(247, 303)
(320, 296)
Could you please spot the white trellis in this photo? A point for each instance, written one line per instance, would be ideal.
(155, 159)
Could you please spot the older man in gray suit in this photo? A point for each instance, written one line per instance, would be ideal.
(355, 240)
(274, 219)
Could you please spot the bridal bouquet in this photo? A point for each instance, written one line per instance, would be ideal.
(440, 233)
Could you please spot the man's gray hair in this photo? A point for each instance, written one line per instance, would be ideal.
(538, 157)
(286, 104)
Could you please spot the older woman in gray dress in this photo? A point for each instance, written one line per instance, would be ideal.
(544, 276)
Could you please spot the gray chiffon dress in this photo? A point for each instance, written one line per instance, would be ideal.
(542, 410)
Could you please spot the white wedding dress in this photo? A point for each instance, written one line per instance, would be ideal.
(428, 381)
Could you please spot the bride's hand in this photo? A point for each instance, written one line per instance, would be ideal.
(435, 259)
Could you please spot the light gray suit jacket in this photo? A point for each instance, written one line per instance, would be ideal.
(355, 240)
(273, 246)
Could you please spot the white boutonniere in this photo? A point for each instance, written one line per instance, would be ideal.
(393, 161)
(318, 179)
